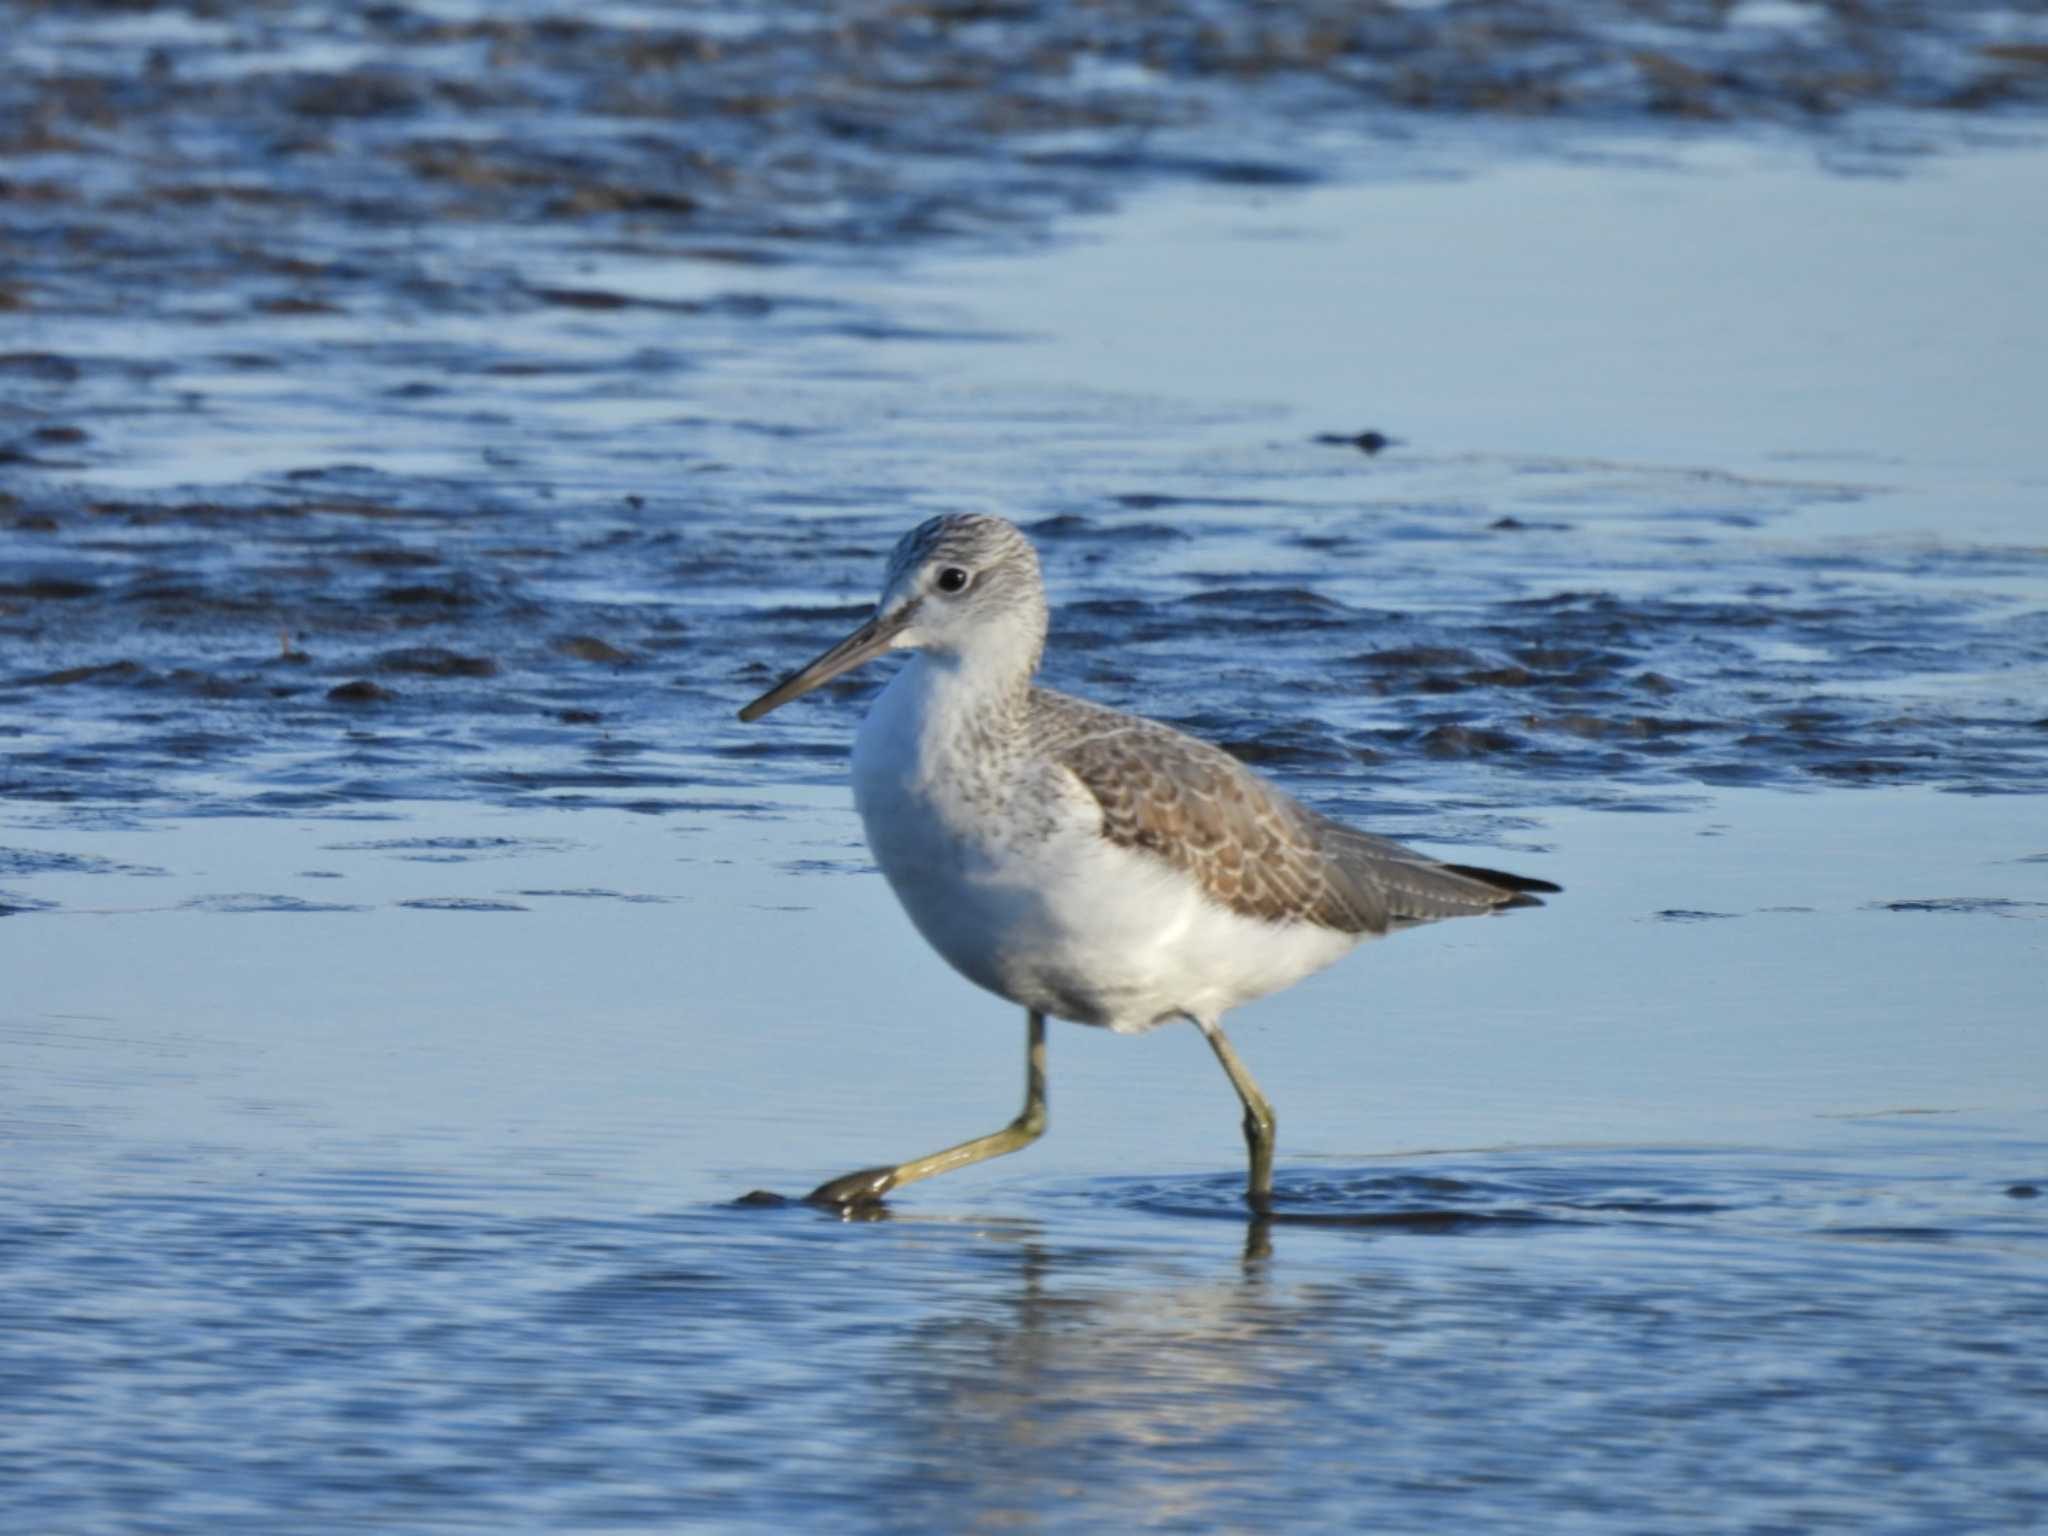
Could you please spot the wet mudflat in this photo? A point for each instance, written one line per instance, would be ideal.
(425, 427)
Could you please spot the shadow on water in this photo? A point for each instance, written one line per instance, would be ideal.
(1550, 1190)
(1400, 1202)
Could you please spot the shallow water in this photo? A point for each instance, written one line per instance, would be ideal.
(382, 1169)
(1727, 1350)
(409, 960)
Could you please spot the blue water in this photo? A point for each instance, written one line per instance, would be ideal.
(1619, 1340)
(407, 961)
(414, 1206)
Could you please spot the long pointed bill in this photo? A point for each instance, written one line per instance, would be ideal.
(865, 643)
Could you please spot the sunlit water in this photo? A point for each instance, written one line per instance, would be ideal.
(408, 961)
(381, 1170)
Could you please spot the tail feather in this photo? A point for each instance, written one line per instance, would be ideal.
(1501, 880)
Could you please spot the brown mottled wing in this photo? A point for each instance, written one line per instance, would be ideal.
(1253, 849)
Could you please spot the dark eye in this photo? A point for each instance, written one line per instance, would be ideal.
(954, 579)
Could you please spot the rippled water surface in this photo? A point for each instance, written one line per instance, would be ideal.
(1598, 440)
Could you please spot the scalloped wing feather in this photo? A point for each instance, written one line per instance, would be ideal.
(1252, 848)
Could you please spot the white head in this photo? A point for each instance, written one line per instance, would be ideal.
(965, 588)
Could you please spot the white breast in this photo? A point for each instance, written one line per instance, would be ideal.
(1001, 864)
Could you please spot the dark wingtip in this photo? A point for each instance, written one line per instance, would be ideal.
(1518, 885)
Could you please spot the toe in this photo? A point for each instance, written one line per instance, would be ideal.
(866, 1187)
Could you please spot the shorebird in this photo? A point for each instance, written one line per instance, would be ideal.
(1086, 864)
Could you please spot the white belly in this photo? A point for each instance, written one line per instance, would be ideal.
(1013, 884)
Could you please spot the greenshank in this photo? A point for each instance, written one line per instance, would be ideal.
(1086, 864)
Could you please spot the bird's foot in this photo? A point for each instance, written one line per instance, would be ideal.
(852, 1191)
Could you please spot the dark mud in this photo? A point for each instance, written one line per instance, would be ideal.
(741, 133)
(336, 469)
(255, 655)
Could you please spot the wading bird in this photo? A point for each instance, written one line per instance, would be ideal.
(1086, 864)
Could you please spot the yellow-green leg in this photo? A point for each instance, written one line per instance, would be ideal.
(1258, 1119)
(868, 1186)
